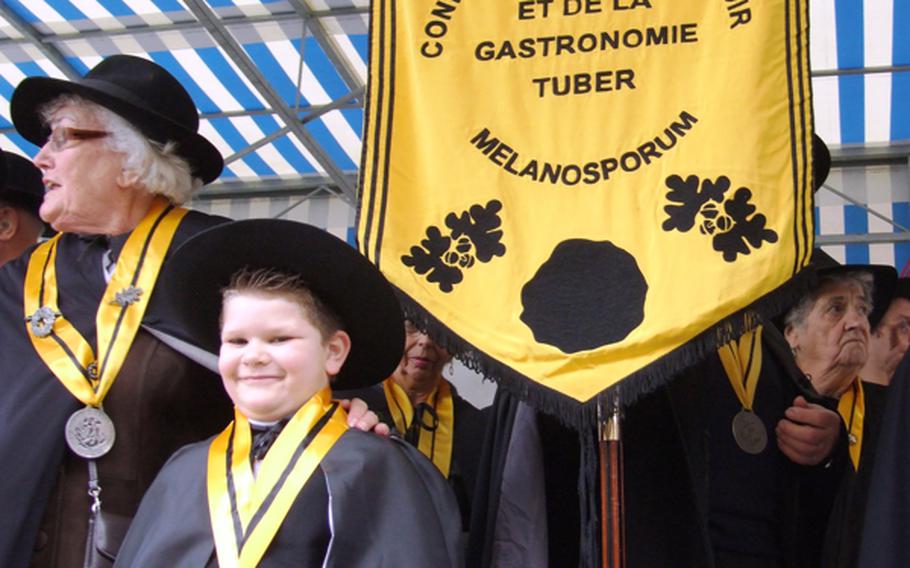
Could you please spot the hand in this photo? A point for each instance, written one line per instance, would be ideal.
(362, 418)
(808, 432)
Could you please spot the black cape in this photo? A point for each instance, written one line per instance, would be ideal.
(845, 527)
(372, 502)
(886, 530)
(34, 405)
(470, 427)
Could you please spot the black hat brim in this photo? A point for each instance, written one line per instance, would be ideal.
(192, 279)
(22, 185)
(34, 92)
(902, 288)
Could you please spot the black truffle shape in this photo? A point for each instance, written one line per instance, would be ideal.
(586, 295)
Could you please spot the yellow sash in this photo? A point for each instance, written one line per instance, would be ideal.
(434, 442)
(246, 511)
(60, 345)
(742, 363)
(852, 409)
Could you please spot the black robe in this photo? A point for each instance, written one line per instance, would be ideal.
(34, 405)
(845, 527)
(372, 502)
(470, 427)
(886, 530)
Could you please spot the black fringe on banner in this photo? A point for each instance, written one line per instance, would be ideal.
(582, 416)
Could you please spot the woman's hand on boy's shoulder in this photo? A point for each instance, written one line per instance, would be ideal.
(361, 417)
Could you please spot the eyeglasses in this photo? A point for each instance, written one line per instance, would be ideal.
(62, 136)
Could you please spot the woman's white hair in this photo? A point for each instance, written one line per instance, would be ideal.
(158, 168)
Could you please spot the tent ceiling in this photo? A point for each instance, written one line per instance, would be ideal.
(280, 83)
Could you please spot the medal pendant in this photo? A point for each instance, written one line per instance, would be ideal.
(749, 432)
(90, 433)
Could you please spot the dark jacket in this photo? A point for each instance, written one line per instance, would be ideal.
(886, 529)
(155, 403)
(371, 502)
(470, 426)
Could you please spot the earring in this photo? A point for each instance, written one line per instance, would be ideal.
(450, 370)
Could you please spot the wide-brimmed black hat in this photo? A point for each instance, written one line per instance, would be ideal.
(21, 184)
(192, 279)
(137, 89)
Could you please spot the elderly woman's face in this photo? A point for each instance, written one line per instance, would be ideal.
(423, 359)
(836, 330)
(80, 172)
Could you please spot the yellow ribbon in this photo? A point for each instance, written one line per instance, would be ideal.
(436, 443)
(246, 520)
(62, 348)
(852, 409)
(741, 360)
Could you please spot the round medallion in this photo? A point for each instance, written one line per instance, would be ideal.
(90, 433)
(749, 432)
(42, 321)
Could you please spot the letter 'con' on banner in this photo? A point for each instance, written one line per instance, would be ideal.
(587, 194)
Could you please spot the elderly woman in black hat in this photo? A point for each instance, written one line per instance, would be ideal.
(21, 191)
(95, 396)
(828, 331)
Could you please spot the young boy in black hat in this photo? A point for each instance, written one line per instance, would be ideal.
(286, 483)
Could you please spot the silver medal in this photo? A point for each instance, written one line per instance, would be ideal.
(749, 432)
(42, 321)
(90, 433)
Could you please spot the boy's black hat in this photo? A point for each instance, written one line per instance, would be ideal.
(21, 186)
(191, 281)
(139, 90)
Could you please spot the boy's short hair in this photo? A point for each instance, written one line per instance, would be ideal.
(291, 286)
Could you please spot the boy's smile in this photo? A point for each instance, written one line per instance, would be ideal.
(272, 358)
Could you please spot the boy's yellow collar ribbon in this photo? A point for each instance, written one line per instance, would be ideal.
(247, 511)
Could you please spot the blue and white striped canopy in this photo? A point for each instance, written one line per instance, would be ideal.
(278, 83)
(860, 54)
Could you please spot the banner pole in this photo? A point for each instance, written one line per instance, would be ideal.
(612, 532)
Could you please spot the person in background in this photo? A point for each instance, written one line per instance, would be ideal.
(427, 411)
(887, 345)
(889, 341)
(21, 192)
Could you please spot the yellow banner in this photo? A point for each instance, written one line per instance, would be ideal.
(578, 189)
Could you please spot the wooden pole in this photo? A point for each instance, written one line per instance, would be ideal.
(612, 532)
